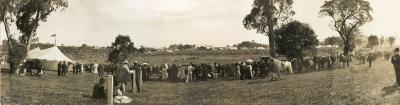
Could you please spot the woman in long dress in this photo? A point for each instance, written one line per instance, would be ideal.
(95, 66)
(189, 73)
(164, 72)
(182, 74)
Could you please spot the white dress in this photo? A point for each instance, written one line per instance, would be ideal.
(121, 99)
(182, 73)
(164, 73)
(189, 74)
(95, 66)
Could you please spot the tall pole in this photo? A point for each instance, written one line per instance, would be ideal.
(55, 40)
(110, 89)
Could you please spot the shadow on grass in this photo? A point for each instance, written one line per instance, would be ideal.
(389, 90)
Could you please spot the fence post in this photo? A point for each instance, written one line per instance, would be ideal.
(140, 80)
(133, 83)
(110, 89)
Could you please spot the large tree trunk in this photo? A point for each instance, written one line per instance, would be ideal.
(346, 50)
(270, 25)
(13, 65)
(29, 40)
(272, 45)
(32, 31)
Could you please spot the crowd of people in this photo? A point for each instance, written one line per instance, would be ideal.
(139, 72)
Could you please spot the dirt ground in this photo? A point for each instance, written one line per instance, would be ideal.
(355, 85)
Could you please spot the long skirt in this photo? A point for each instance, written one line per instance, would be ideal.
(189, 77)
(164, 74)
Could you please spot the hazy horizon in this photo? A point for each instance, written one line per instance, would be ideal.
(159, 23)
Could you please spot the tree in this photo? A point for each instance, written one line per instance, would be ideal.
(373, 41)
(84, 45)
(187, 46)
(31, 13)
(181, 47)
(8, 9)
(295, 37)
(202, 48)
(333, 41)
(347, 15)
(249, 44)
(358, 37)
(121, 48)
(266, 15)
(391, 40)
(382, 40)
(142, 49)
(15, 55)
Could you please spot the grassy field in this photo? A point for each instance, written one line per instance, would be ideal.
(357, 84)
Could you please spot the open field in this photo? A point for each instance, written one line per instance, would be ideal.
(355, 85)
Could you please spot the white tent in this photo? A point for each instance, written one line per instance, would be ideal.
(50, 54)
(33, 53)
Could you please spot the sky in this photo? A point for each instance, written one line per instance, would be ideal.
(159, 23)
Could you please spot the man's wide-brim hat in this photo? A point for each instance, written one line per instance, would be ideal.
(396, 49)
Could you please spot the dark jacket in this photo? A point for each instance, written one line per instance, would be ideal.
(98, 91)
(396, 61)
(121, 75)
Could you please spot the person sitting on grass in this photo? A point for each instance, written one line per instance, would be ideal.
(118, 95)
(98, 90)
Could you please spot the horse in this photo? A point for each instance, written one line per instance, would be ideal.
(277, 66)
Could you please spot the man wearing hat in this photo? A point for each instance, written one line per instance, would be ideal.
(396, 64)
(146, 69)
(123, 74)
(138, 72)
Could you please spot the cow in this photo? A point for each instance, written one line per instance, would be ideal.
(34, 64)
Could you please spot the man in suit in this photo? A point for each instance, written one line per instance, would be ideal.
(370, 59)
(146, 69)
(138, 75)
(59, 69)
(122, 75)
(396, 64)
(64, 68)
(101, 70)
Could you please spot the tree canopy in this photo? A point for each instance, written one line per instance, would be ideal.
(347, 16)
(121, 48)
(391, 40)
(373, 41)
(181, 46)
(333, 40)
(26, 14)
(295, 37)
(266, 15)
(33, 11)
(249, 44)
(382, 40)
